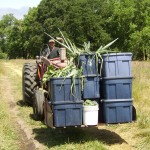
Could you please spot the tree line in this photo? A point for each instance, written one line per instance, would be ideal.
(97, 21)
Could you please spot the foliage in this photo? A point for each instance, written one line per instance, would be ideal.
(90, 103)
(141, 48)
(128, 22)
(5, 28)
(32, 35)
(69, 71)
(96, 21)
(3, 55)
(73, 52)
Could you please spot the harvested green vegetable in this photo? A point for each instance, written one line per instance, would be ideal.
(69, 71)
(90, 103)
(74, 52)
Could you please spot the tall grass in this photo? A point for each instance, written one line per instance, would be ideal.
(141, 94)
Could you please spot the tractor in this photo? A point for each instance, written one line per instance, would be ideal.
(60, 105)
(36, 93)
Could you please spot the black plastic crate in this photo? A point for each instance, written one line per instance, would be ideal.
(116, 88)
(67, 114)
(88, 63)
(117, 65)
(117, 111)
(91, 87)
(61, 89)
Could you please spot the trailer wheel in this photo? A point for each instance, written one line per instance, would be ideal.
(38, 105)
(133, 113)
(29, 82)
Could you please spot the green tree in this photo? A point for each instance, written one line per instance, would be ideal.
(140, 43)
(14, 44)
(32, 33)
(82, 20)
(5, 27)
(140, 36)
(10, 29)
(130, 22)
(118, 23)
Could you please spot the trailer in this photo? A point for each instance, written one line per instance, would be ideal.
(60, 101)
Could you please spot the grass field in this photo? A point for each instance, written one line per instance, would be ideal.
(141, 94)
(8, 134)
(135, 135)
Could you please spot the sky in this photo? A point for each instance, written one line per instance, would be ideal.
(18, 3)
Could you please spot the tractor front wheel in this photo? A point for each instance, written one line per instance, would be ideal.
(38, 105)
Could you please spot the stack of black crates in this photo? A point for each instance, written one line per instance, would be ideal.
(116, 88)
(112, 90)
(65, 101)
(91, 77)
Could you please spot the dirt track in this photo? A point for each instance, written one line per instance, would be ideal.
(27, 141)
(115, 138)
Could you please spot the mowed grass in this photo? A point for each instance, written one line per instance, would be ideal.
(8, 135)
(141, 94)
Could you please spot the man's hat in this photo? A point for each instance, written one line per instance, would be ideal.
(51, 41)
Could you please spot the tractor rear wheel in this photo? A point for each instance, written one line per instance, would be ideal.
(38, 105)
(29, 82)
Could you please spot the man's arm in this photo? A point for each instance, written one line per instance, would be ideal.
(45, 52)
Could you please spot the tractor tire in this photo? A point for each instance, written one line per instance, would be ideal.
(38, 105)
(29, 82)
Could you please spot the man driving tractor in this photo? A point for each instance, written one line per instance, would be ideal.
(52, 55)
(51, 51)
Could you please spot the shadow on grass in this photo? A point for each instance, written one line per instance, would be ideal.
(55, 137)
(21, 103)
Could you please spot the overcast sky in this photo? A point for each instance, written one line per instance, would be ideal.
(18, 3)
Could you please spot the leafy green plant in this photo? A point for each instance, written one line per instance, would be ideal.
(69, 71)
(74, 52)
(90, 103)
(3, 55)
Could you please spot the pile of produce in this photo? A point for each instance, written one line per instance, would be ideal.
(73, 53)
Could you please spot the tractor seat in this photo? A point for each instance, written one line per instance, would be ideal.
(56, 62)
